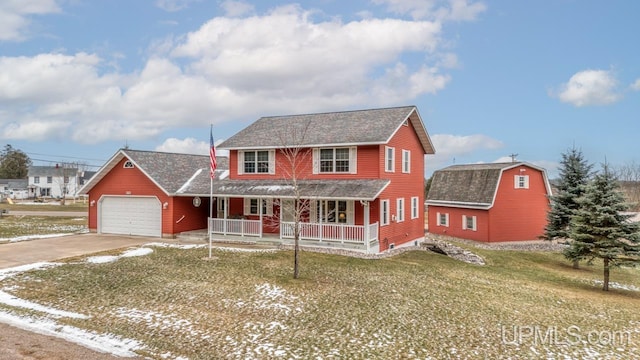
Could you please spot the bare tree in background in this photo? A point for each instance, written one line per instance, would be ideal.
(629, 177)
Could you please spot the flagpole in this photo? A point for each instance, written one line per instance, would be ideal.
(212, 164)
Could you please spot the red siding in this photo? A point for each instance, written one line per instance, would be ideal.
(123, 182)
(516, 215)
(403, 185)
(519, 214)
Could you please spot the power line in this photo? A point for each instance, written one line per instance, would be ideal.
(65, 156)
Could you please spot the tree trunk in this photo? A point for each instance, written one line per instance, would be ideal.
(296, 250)
(605, 283)
(576, 264)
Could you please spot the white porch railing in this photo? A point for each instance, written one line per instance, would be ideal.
(329, 232)
(240, 227)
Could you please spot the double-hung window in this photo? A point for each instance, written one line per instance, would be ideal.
(400, 209)
(384, 212)
(334, 160)
(414, 207)
(333, 211)
(389, 159)
(406, 161)
(252, 206)
(256, 162)
(36, 179)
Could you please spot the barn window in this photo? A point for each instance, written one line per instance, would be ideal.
(469, 222)
(521, 182)
(128, 164)
(442, 219)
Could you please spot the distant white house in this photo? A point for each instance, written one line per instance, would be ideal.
(56, 181)
(14, 188)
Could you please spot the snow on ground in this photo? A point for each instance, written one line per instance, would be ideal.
(106, 343)
(11, 300)
(176, 246)
(12, 271)
(36, 236)
(615, 285)
(111, 258)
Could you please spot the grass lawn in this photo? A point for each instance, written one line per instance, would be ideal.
(12, 227)
(50, 206)
(244, 305)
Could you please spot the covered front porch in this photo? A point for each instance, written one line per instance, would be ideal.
(332, 213)
(358, 237)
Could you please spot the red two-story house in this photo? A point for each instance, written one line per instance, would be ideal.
(351, 179)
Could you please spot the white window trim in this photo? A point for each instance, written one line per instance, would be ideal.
(128, 164)
(438, 216)
(389, 159)
(474, 220)
(414, 207)
(353, 160)
(384, 215)
(406, 161)
(516, 181)
(268, 202)
(350, 212)
(400, 209)
(272, 162)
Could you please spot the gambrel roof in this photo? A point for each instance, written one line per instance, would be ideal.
(360, 127)
(473, 185)
(188, 175)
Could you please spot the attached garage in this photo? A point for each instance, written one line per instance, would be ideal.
(130, 215)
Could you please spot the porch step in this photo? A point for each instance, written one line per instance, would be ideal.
(193, 237)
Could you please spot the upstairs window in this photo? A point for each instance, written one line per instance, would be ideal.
(334, 160)
(406, 161)
(521, 181)
(256, 162)
(36, 179)
(66, 179)
(389, 159)
(49, 179)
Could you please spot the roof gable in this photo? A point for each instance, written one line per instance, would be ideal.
(373, 126)
(470, 185)
(169, 171)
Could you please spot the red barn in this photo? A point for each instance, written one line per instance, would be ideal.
(356, 179)
(489, 202)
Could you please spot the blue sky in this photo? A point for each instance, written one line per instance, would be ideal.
(79, 79)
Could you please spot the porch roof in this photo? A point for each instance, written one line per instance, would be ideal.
(310, 189)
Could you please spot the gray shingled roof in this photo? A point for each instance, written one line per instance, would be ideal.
(170, 171)
(469, 184)
(374, 126)
(326, 189)
(50, 171)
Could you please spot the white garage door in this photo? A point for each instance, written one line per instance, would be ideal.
(130, 216)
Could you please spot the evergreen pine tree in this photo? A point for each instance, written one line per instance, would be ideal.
(574, 174)
(601, 230)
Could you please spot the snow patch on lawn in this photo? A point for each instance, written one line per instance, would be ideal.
(615, 285)
(158, 320)
(105, 343)
(176, 246)
(111, 258)
(11, 300)
(12, 271)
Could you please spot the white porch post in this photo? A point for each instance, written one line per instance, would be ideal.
(367, 235)
(280, 218)
(320, 215)
(226, 212)
(260, 203)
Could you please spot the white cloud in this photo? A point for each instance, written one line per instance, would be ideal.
(230, 68)
(174, 5)
(189, 146)
(236, 8)
(636, 85)
(448, 147)
(457, 10)
(15, 16)
(590, 87)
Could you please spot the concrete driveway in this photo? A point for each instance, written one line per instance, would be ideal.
(51, 249)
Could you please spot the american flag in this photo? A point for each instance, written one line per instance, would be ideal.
(212, 155)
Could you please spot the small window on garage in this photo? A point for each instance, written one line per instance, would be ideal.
(128, 164)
